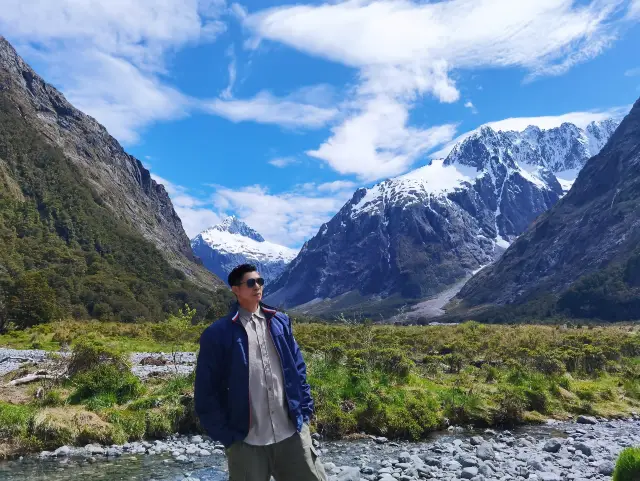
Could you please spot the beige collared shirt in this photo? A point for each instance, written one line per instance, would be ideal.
(270, 422)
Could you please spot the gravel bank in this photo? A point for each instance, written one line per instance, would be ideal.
(144, 364)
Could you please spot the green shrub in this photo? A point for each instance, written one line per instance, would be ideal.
(132, 423)
(462, 405)
(628, 465)
(105, 383)
(89, 353)
(51, 398)
(101, 401)
(158, 424)
(14, 420)
(511, 404)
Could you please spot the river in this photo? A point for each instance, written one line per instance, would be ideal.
(558, 451)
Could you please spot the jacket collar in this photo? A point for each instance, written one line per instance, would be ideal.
(268, 311)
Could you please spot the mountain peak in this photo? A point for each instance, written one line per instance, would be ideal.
(233, 225)
(232, 242)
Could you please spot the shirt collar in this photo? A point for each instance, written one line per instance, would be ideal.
(245, 315)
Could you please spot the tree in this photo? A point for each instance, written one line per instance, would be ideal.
(32, 301)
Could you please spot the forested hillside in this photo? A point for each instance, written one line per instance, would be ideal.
(63, 253)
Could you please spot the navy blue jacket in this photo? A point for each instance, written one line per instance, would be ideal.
(222, 376)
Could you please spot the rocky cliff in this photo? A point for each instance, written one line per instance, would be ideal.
(582, 258)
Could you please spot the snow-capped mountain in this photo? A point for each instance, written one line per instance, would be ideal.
(582, 257)
(232, 242)
(413, 236)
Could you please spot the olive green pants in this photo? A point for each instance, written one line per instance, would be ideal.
(294, 459)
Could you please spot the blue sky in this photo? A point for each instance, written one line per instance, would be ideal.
(278, 111)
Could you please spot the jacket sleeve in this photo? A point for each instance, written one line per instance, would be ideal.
(207, 392)
(307, 403)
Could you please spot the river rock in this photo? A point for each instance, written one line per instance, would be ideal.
(349, 474)
(469, 473)
(549, 477)
(586, 450)
(476, 440)
(404, 457)
(429, 461)
(535, 464)
(552, 446)
(485, 452)
(467, 461)
(94, 450)
(62, 451)
(586, 420)
(606, 468)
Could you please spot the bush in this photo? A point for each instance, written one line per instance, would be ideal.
(132, 423)
(628, 465)
(511, 404)
(101, 376)
(51, 398)
(89, 353)
(14, 420)
(104, 384)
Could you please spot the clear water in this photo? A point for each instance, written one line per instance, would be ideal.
(139, 468)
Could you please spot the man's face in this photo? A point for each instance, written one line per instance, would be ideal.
(248, 294)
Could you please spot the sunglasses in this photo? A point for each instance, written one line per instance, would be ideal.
(252, 282)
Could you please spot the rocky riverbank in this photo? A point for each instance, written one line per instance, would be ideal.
(143, 364)
(584, 451)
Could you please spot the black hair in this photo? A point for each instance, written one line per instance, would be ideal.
(236, 275)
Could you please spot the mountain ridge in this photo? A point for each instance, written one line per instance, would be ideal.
(416, 235)
(120, 179)
(581, 257)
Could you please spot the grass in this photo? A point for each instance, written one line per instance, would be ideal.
(628, 465)
(399, 382)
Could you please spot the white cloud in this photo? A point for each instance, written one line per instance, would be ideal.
(115, 92)
(288, 218)
(265, 108)
(107, 56)
(404, 50)
(580, 119)
(196, 214)
(634, 10)
(469, 105)
(283, 161)
(227, 93)
(337, 185)
(633, 72)
(239, 11)
(377, 142)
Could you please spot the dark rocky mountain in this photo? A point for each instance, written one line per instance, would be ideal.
(581, 258)
(232, 242)
(119, 179)
(84, 230)
(416, 236)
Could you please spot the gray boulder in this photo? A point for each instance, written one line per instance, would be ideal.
(586, 420)
(586, 450)
(552, 446)
(469, 473)
(485, 451)
(349, 474)
(606, 468)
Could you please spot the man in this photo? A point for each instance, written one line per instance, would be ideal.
(251, 391)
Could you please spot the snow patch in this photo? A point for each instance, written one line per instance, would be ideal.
(566, 178)
(230, 243)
